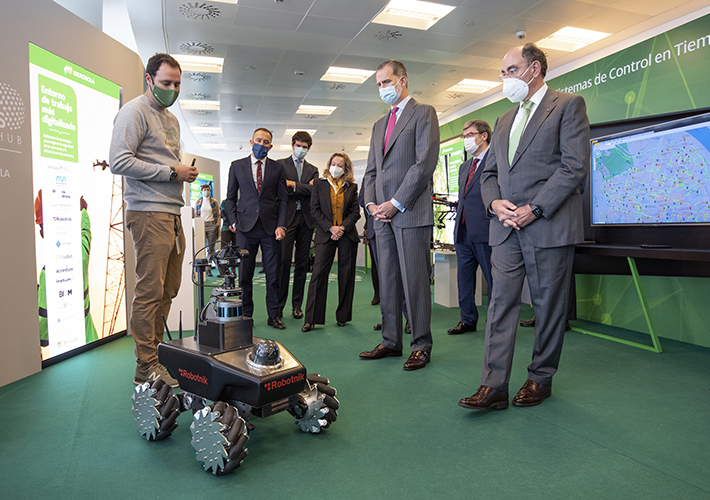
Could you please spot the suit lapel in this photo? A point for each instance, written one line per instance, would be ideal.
(546, 106)
(406, 115)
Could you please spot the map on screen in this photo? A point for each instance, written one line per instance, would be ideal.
(653, 176)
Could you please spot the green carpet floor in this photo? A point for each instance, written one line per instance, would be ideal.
(622, 423)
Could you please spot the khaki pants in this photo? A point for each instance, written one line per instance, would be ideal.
(158, 275)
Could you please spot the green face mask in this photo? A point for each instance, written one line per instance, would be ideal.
(165, 97)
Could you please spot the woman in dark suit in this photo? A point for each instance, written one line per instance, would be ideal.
(335, 209)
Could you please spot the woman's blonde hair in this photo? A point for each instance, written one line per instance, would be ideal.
(348, 176)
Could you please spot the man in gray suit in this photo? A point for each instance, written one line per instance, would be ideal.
(404, 148)
(538, 158)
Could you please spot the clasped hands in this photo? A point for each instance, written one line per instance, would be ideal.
(336, 232)
(511, 215)
(383, 212)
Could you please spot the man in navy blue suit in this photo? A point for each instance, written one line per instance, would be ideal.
(472, 225)
(256, 206)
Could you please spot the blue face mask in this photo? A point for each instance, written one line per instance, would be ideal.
(260, 151)
(390, 94)
(300, 152)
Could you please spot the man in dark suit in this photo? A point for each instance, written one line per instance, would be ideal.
(472, 225)
(299, 222)
(256, 205)
(404, 149)
(539, 155)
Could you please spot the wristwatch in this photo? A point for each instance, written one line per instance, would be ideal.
(173, 174)
(536, 211)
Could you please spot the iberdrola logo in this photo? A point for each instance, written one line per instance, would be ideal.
(68, 70)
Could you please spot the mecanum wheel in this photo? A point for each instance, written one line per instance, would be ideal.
(155, 409)
(316, 407)
(218, 436)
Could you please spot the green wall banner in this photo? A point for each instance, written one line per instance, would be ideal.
(663, 74)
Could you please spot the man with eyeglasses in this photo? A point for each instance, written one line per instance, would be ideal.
(472, 226)
(538, 158)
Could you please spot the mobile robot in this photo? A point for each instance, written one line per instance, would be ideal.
(239, 373)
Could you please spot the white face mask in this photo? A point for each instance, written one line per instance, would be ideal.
(300, 152)
(390, 94)
(516, 89)
(336, 172)
(469, 144)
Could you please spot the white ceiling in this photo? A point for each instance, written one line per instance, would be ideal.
(265, 42)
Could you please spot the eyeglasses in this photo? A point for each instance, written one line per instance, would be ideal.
(511, 73)
(472, 134)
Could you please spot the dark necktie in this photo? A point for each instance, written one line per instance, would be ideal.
(258, 176)
(468, 181)
(390, 127)
(299, 164)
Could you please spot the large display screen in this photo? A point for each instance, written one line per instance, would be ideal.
(446, 190)
(78, 216)
(655, 175)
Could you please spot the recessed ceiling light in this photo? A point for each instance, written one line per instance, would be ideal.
(225, 1)
(315, 110)
(199, 104)
(214, 146)
(569, 39)
(412, 14)
(362, 148)
(346, 75)
(291, 131)
(206, 64)
(474, 86)
(206, 130)
(285, 146)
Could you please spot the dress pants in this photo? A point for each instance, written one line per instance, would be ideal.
(403, 257)
(298, 234)
(318, 287)
(158, 275)
(469, 256)
(270, 248)
(548, 271)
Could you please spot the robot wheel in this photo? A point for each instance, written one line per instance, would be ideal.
(316, 407)
(155, 409)
(219, 436)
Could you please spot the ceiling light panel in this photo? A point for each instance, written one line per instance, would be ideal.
(291, 131)
(346, 75)
(412, 14)
(199, 104)
(204, 64)
(315, 110)
(206, 130)
(474, 86)
(569, 39)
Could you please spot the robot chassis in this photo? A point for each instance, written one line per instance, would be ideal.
(239, 373)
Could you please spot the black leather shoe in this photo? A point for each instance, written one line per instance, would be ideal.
(342, 323)
(375, 300)
(529, 323)
(532, 394)
(417, 360)
(378, 326)
(407, 328)
(485, 398)
(380, 352)
(307, 327)
(297, 312)
(568, 327)
(461, 328)
(276, 323)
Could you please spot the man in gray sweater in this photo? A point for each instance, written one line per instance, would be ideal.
(145, 150)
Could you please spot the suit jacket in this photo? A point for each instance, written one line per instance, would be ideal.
(245, 204)
(322, 210)
(303, 189)
(404, 171)
(552, 160)
(470, 203)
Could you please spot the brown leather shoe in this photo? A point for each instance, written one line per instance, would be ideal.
(380, 352)
(276, 323)
(485, 398)
(307, 327)
(530, 323)
(417, 360)
(532, 394)
(378, 326)
(461, 328)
